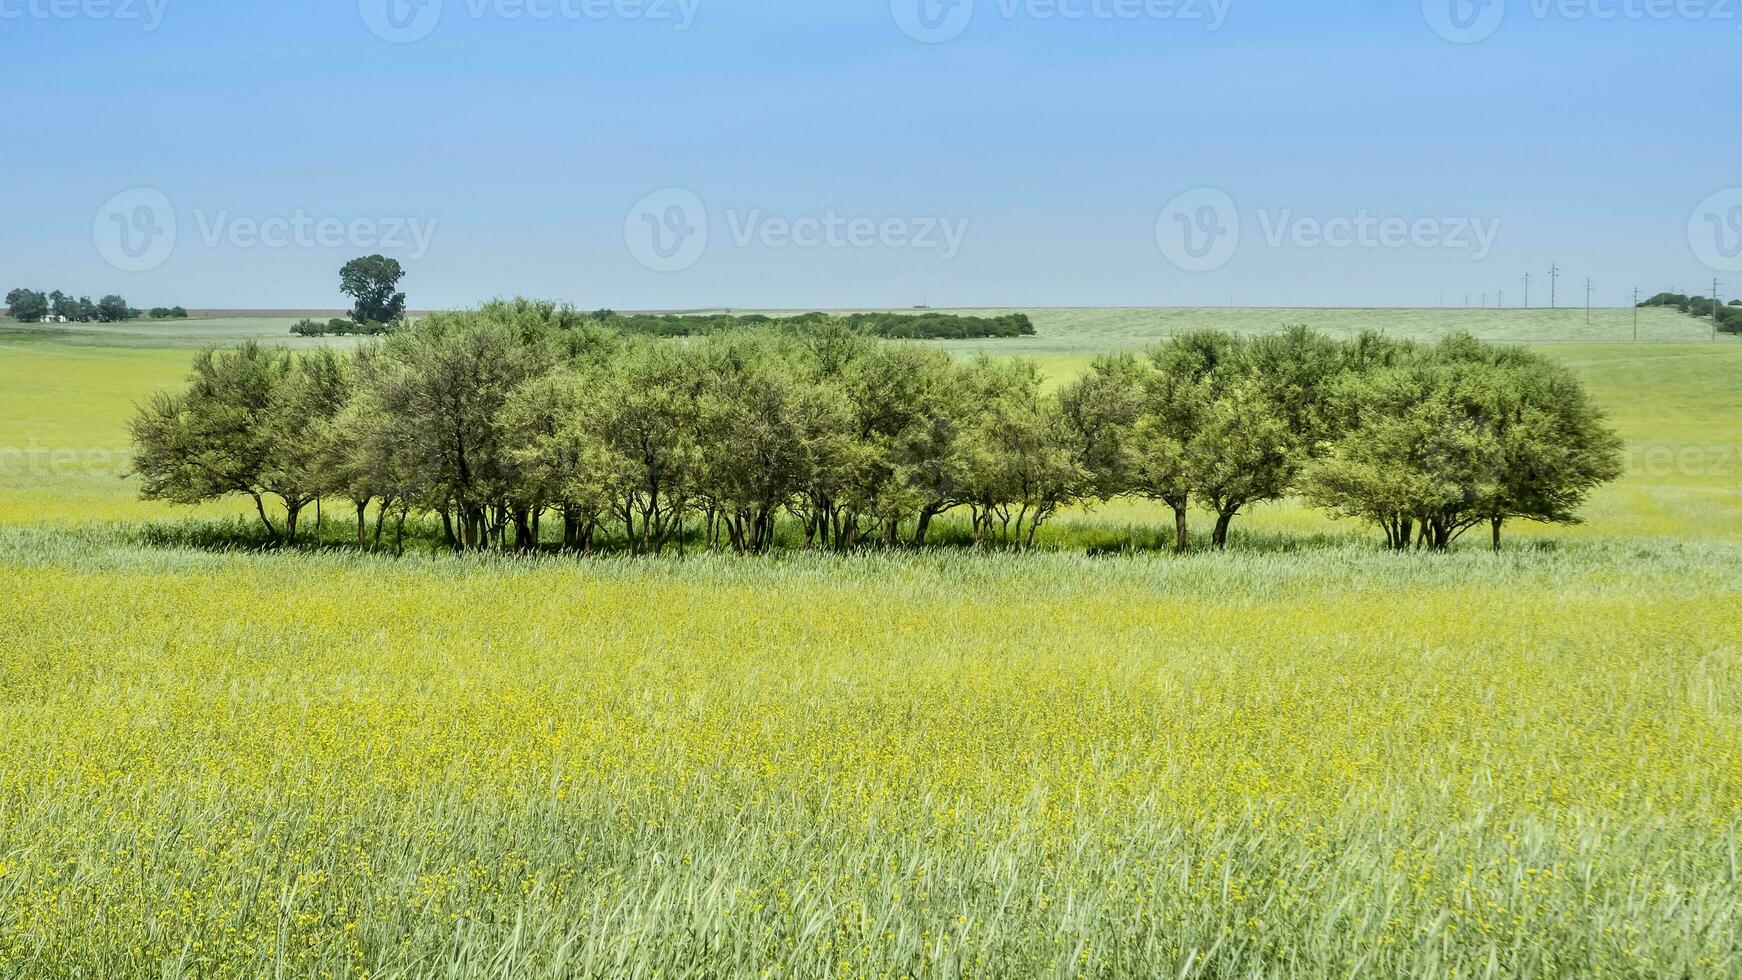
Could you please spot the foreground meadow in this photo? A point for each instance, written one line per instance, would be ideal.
(1327, 762)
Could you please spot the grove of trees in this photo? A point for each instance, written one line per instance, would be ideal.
(1729, 317)
(896, 326)
(499, 421)
(32, 306)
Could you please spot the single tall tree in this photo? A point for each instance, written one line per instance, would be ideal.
(372, 283)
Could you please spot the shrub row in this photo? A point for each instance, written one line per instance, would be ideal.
(500, 419)
(1729, 317)
(895, 326)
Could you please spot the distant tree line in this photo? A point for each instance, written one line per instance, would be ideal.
(32, 306)
(500, 420)
(895, 326)
(1729, 317)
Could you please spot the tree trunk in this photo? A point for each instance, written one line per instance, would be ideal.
(380, 519)
(260, 507)
(1497, 522)
(1181, 542)
(291, 511)
(448, 536)
(524, 540)
(924, 528)
(1220, 539)
(362, 523)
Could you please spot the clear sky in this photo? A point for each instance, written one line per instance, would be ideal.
(837, 153)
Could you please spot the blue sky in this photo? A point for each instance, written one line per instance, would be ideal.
(504, 153)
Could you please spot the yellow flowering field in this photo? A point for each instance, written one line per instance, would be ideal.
(1330, 762)
(1303, 757)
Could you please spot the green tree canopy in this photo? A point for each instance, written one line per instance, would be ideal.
(372, 283)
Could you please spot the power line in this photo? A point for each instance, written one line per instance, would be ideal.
(1554, 278)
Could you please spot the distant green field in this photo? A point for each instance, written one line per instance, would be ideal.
(1059, 330)
(192, 333)
(1081, 330)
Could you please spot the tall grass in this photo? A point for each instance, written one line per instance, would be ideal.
(1324, 762)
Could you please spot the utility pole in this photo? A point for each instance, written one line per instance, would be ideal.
(1715, 285)
(1500, 304)
(1589, 285)
(1554, 278)
(1484, 301)
(1636, 314)
(1527, 290)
